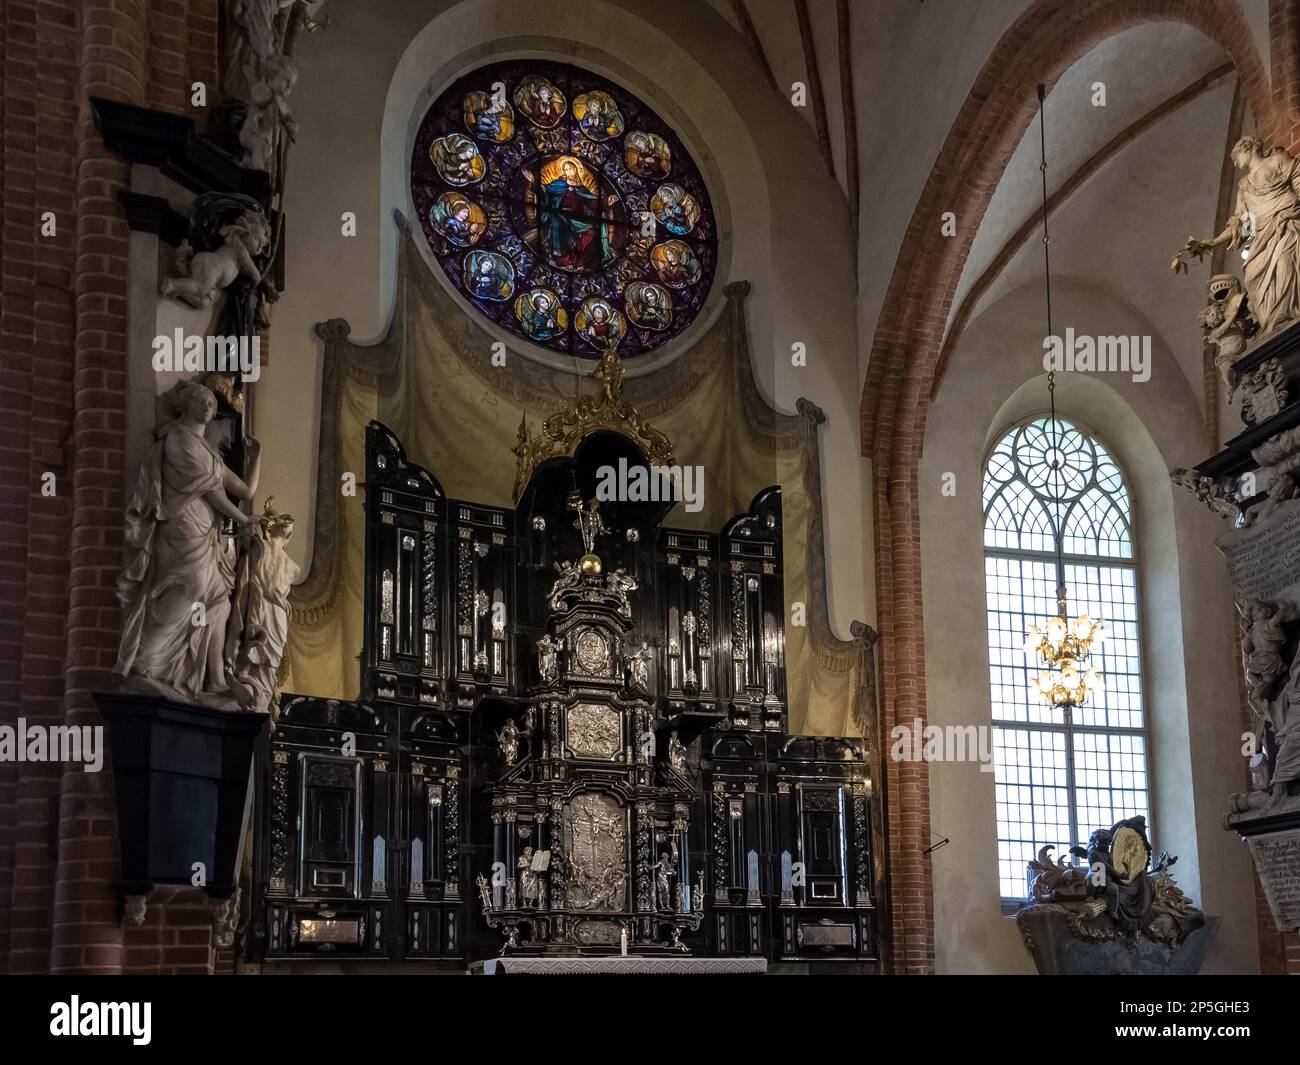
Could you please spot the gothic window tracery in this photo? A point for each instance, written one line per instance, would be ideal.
(1060, 773)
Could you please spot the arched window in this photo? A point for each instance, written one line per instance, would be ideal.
(1060, 773)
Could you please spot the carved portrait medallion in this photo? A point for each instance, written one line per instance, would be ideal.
(592, 652)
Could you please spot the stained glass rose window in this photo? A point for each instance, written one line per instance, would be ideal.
(564, 209)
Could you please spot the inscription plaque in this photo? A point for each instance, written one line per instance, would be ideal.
(1264, 560)
(1277, 859)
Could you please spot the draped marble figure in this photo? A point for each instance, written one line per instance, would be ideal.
(1266, 226)
(259, 623)
(176, 587)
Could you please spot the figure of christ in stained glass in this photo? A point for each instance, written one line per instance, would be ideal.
(573, 235)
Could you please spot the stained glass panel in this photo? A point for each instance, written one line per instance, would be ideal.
(564, 209)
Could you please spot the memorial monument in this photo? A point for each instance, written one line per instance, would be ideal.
(1254, 482)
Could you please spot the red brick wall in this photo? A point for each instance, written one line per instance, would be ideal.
(176, 937)
(17, 176)
(1039, 47)
(52, 119)
(63, 331)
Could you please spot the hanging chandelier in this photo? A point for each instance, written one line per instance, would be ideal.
(1062, 645)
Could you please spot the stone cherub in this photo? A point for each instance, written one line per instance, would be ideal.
(268, 113)
(1283, 716)
(1227, 323)
(175, 589)
(1262, 638)
(259, 72)
(205, 274)
(253, 38)
(1279, 457)
(1266, 227)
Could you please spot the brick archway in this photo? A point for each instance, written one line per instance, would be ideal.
(1047, 39)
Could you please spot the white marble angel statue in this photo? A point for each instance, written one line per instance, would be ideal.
(259, 620)
(203, 276)
(175, 588)
(1266, 227)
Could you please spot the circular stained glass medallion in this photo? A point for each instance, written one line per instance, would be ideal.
(564, 209)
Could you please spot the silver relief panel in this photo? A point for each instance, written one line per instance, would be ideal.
(595, 837)
(594, 731)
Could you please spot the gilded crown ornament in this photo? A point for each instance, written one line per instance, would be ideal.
(561, 432)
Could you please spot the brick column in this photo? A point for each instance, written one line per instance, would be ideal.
(17, 301)
(50, 489)
(87, 928)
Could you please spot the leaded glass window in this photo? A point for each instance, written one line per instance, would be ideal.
(1060, 772)
(564, 209)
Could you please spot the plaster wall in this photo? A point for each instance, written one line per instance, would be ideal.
(914, 66)
(1186, 618)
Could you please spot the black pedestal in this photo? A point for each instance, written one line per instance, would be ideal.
(182, 776)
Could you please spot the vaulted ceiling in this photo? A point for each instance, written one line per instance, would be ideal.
(1127, 183)
(1128, 180)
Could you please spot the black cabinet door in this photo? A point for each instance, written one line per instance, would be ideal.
(331, 826)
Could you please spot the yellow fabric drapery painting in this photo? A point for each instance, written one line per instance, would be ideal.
(432, 380)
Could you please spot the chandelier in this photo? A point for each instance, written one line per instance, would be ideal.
(1061, 644)
(1063, 647)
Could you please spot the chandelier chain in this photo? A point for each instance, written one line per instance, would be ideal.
(1054, 432)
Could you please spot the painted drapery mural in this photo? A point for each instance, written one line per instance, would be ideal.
(432, 380)
(565, 210)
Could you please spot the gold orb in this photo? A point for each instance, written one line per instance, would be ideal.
(589, 564)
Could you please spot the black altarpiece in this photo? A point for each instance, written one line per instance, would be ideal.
(572, 731)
